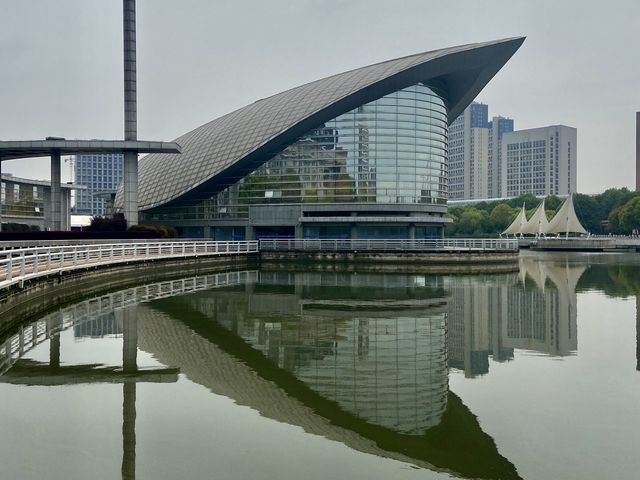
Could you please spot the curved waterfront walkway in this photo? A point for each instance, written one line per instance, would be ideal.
(24, 264)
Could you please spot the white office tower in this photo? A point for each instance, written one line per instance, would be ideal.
(475, 149)
(541, 161)
(468, 153)
(498, 126)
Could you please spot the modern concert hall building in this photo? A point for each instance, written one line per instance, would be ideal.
(361, 154)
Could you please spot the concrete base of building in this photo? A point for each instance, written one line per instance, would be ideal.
(317, 221)
(391, 267)
(411, 260)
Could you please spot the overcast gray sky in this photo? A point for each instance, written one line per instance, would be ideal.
(61, 64)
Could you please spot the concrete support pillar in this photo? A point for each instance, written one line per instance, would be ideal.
(249, 233)
(207, 231)
(46, 216)
(0, 194)
(130, 66)
(130, 184)
(299, 231)
(66, 210)
(412, 231)
(53, 325)
(129, 365)
(354, 230)
(130, 170)
(128, 468)
(55, 221)
(54, 351)
(130, 339)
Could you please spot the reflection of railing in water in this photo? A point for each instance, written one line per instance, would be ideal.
(27, 338)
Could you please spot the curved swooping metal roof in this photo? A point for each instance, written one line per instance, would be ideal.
(228, 148)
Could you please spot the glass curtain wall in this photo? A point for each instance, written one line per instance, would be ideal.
(22, 200)
(390, 151)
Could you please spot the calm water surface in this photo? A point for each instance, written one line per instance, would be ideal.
(283, 374)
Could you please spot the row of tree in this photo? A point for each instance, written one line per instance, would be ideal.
(616, 211)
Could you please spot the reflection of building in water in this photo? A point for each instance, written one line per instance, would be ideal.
(185, 331)
(98, 327)
(476, 312)
(492, 316)
(381, 357)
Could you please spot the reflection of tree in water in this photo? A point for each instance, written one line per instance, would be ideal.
(616, 281)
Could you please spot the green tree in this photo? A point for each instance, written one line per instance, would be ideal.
(552, 202)
(589, 212)
(630, 215)
(473, 222)
(501, 217)
(528, 199)
(613, 224)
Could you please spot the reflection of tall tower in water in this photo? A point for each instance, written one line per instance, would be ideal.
(477, 310)
(492, 316)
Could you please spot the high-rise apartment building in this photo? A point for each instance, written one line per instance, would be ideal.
(541, 161)
(468, 152)
(99, 173)
(488, 159)
(637, 151)
(474, 153)
(498, 126)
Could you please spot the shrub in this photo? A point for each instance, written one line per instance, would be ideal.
(162, 230)
(116, 223)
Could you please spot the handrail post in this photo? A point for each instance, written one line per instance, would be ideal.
(10, 266)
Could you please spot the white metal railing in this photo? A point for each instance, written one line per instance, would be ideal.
(389, 245)
(27, 263)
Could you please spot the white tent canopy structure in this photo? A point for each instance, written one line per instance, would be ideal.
(518, 223)
(565, 221)
(538, 223)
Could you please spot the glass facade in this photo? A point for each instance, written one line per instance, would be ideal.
(21, 200)
(390, 151)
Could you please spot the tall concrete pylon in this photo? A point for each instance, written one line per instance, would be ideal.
(130, 170)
